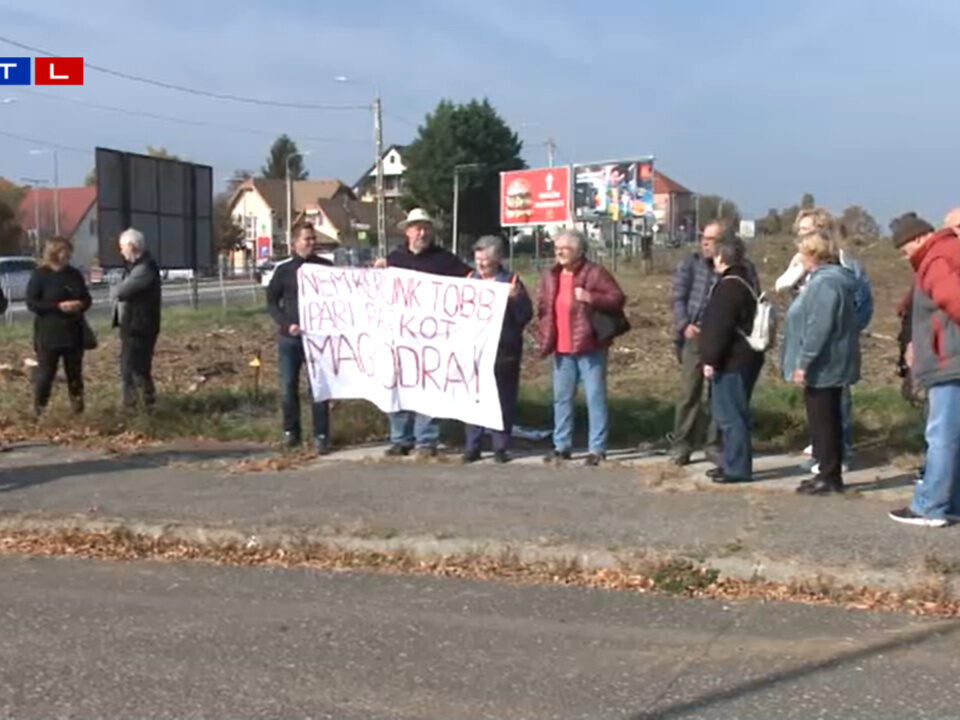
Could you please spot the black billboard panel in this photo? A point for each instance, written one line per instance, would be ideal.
(169, 201)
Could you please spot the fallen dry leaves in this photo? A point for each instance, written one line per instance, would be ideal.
(676, 577)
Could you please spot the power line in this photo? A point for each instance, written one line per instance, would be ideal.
(45, 143)
(182, 121)
(186, 89)
(400, 118)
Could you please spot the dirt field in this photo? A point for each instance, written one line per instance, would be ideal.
(208, 389)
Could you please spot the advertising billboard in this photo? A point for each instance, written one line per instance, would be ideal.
(614, 190)
(169, 201)
(535, 197)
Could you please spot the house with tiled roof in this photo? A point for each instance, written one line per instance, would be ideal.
(78, 220)
(393, 183)
(673, 205)
(259, 206)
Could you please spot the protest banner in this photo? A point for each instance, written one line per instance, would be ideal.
(403, 340)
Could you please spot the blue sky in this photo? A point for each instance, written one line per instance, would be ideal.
(851, 100)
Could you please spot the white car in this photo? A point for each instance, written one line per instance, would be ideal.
(15, 273)
(267, 269)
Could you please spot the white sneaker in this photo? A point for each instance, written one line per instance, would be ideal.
(844, 467)
(808, 450)
(909, 517)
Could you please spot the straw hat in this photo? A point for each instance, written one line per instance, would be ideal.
(417, 215)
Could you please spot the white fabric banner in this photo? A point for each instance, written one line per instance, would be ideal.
(403, 340)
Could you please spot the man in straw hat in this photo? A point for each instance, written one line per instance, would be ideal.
(411, 430)
(935, 334)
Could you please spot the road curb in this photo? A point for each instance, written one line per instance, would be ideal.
(925, 577)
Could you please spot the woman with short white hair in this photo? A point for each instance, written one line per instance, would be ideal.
(580, 310)
(487, 253)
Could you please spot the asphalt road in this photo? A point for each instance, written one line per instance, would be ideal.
(156, 640)
(174, 294)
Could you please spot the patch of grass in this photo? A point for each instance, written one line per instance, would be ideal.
(679, 577)
(643, 374)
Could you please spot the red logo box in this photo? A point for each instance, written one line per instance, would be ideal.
(58, 71)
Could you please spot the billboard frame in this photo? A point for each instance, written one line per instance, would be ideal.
(107, 251)
(595, 217)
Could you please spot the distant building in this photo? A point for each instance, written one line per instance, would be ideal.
(78, 221)
(673, 205)
(393, 178)
(259, 206)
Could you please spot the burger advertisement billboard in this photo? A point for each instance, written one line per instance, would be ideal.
(535, 197)
(615, 190)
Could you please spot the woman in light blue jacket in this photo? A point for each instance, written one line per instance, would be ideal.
(821, 353)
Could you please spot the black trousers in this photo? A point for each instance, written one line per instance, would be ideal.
(507, 372)
(47, 362)
(826, 429)
(136, 367)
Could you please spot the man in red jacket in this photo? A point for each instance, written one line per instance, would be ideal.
(570, 293)
(935, 364)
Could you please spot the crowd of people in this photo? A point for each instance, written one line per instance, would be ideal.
(715, 302)
(718, 310)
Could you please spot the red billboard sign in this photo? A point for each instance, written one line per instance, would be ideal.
(535, 197)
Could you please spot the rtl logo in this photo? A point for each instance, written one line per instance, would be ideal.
(47, 71)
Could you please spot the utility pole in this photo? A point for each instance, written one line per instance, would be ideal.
(290, 199)
(56, 194)
(381, 199)
(456, 211)
(36, 182)
(456, 202)
(551, 151)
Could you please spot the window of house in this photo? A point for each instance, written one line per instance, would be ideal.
(93, 226)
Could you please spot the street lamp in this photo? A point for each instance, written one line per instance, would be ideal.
(56, 185)
(36, 212)
(290, 197)
(378, 150)
(456, 201)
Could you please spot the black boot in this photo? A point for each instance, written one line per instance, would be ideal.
(76, 402)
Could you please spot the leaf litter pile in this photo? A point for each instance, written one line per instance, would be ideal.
(676, 577)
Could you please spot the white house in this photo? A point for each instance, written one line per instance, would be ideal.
(393, 183)
(259, 206)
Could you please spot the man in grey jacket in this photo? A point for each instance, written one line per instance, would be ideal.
(136, 312)
(693, 283)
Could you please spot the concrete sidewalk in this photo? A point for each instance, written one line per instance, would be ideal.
(634, 509)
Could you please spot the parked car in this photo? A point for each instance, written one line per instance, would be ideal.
(264, 271)
(176, 274)
(15, 274)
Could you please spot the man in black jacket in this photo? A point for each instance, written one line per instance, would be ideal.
(137, 313)
(422, 254)
(282, 294)
(728, 358)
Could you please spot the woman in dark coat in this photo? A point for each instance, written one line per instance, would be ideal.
(506, 368)
(57, 294)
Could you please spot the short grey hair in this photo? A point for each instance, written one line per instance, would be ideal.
(731, 251)
(579, 239)
(490, 243)
(134, 238)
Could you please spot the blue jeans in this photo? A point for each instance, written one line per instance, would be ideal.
(425, 432)
(730, 405)
(568, 371)
(290, 359)
(937, 494)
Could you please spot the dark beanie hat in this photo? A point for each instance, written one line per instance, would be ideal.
(909, 227)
